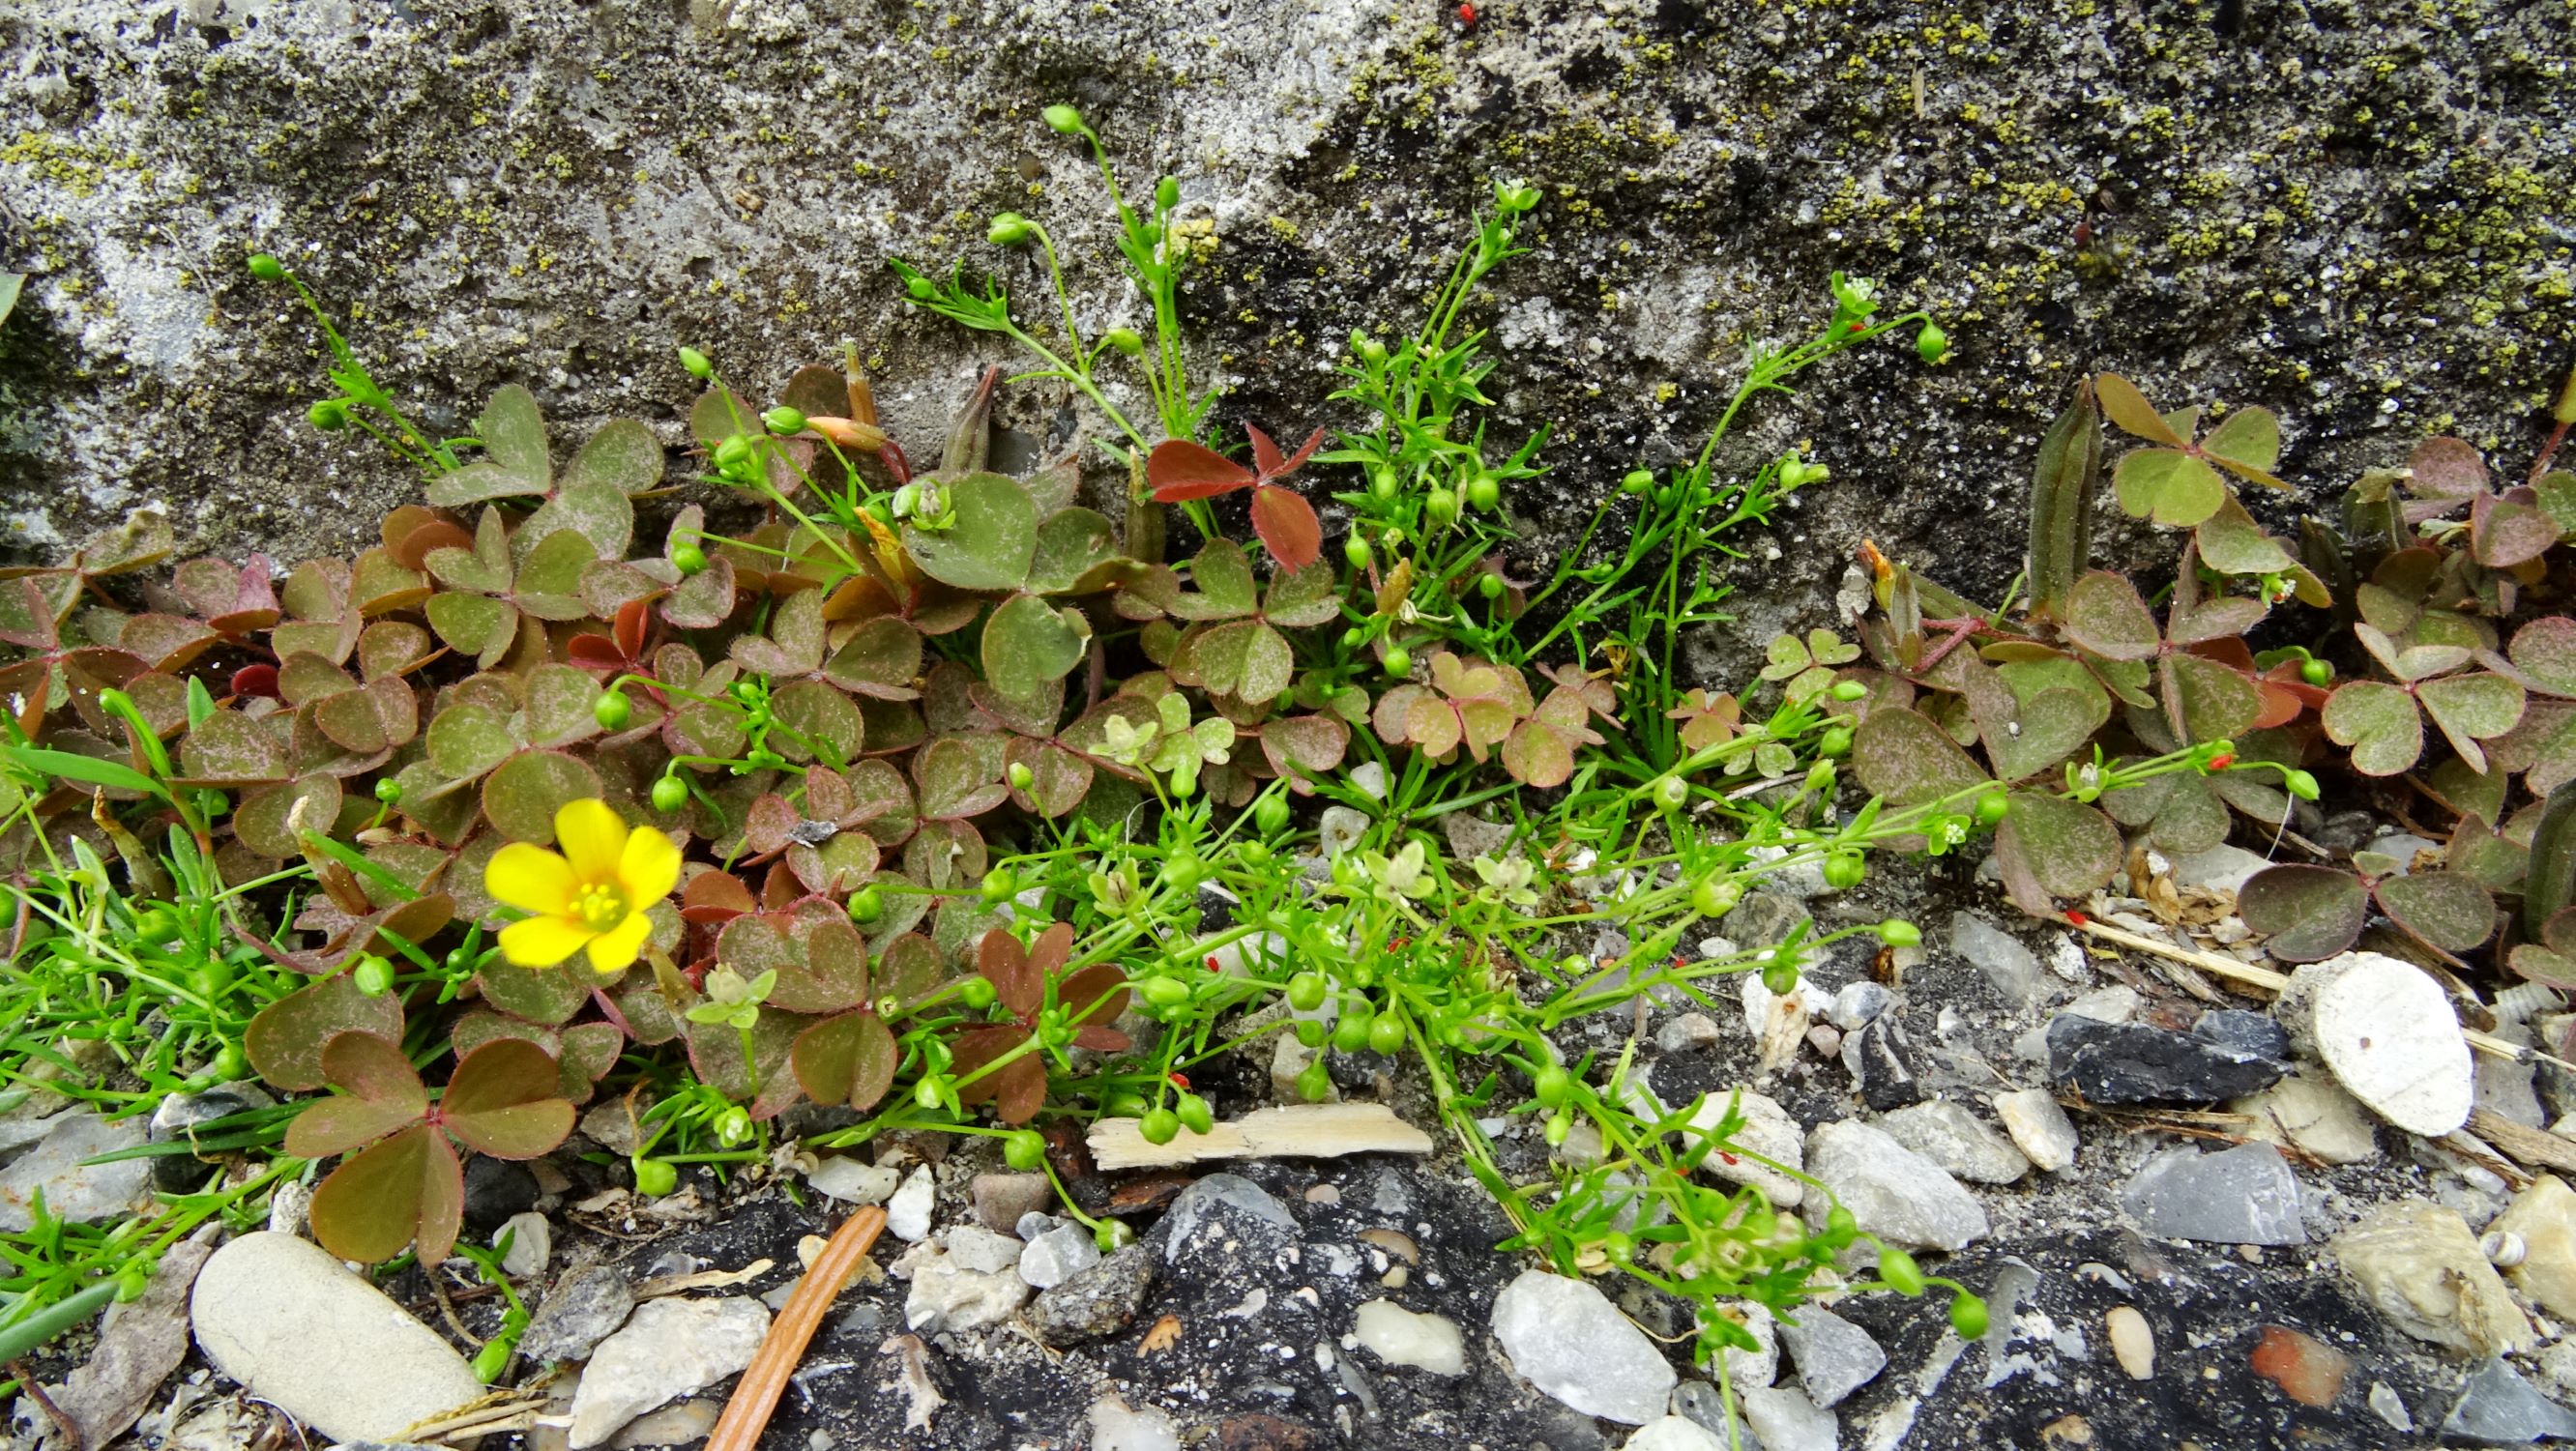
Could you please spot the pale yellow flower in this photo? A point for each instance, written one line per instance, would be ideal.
(590, 896)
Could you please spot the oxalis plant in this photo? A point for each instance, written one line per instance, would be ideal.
(946, 798)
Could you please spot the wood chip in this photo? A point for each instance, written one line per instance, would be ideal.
(1300, 1131)
(2536, 1147)
(703, 1280)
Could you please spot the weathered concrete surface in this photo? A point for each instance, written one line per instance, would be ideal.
(2354, 213)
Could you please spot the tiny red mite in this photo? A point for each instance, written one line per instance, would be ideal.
(1467, 15)
(2078, 918)
(1213, 965)
(1180, 1081)
(2221, 761)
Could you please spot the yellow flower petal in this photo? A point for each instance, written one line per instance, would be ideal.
(649, 868)
(543, 941)
(531, 879)
(617, 948)
(591, 835)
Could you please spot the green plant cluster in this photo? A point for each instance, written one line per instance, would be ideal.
(995, 816)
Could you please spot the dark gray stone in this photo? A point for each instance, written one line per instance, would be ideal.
(2141, 1063)
(585, 1307)
(1879, 1057)
(2497, 1407)
(1099, 1301)
(1241, 1206)
(495, 1189)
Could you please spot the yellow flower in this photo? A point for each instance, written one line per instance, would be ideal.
(592, 894)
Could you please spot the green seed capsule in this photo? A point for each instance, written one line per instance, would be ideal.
(1399, 663)
(267, 268)
(1306, 991)
(1315, 1082)
(1900, 1271)
(1992, 807)
(330, 415)
(688, 559)
(999, 884)
(653, 1178)
(1968, 1316)
(1483, 493)
(1194, 1113)
(1125, 340)
(1311, 1032)
(1896, 932)
(1007, 229)
(1062, 119)
(1024, 1150)
(1351, 1032)
(389, 791)
(1490, 586)
(1386, 1034)
(2299, 784)
(611, 710)
(1167, 192)
(733, 1126)
(1355, 552)
(696, 363)
(1716, 896)
(1931, 343)
(1441, 506)
(1848, 691)
(1271, 816)
(1551, 1086)
(373, 975)
(1381, 483)
(670, 793)
(977, 993)
(2315, 672)
(1671, 793)
(1844, 870)
(1164, 992)
(1638, 481)
(1021, 777)
(1159, 1126)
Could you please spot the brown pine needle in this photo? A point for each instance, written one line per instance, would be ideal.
(755, 1397)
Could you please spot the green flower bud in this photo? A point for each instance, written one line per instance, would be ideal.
(1311, 1032)
(1836, 742)
(611, 710)
(1896, 932)
(1022, 778)
(697, 363)
(2299, 784)
(1483, 493)
(330, 415)
(920, 288)
(733, 1126)
(1671, 793)
(2315, 672)
(1167, 193)
(1370, 350)
(267, 268)
(1381, 483)
(784, 421)
(1125, 340)
(373, 975)
(1351, 1030)
(2564, 410)
(1008, 229)
(389, 791)
(867, 904)
(1781, 977)
(688, 559)
(1271, 815)
(670, 793)
(977, 993)
(999, 884)
(1306, 991)
(1992, 807)
(1159, 1126)
(1398, 662)
(1931, 343)
(1848, 691)
(1112, 1235)
(1512, 198)
(1194, 1113)
(1355, 551)
(733, 453)
(1062, 119)
(1490, 586)
(654, 1178)
(1638, 481)
(1164, 992)
(1441, 506)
